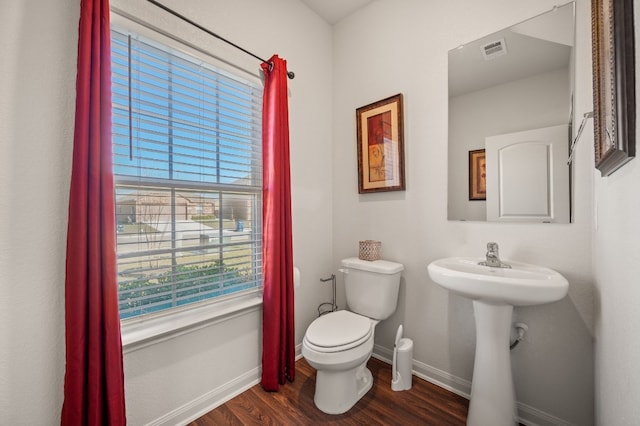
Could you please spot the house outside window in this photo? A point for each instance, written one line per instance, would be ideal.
(187, 163)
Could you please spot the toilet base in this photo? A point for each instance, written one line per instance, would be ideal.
(338, 391)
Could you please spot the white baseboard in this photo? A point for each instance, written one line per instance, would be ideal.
(213, 399)
(528, 416)
(210, 400)
(431, 374)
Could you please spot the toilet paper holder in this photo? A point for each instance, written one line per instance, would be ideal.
(327, 307)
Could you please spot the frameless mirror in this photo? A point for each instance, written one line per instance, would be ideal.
(510, 108)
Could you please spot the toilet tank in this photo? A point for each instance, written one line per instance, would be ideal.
(372, 287)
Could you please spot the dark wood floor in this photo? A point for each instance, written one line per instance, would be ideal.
(423, 404)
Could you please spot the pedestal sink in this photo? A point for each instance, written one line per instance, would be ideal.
(495, 291)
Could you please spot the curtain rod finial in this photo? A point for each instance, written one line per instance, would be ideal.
(291, 75)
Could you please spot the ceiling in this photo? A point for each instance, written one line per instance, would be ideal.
(333, 11)
(540, 44)
(528, 43)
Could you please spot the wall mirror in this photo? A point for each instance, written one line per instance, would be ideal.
(510, 109)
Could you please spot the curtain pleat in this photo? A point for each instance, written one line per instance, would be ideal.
(94, 378)
(278, 338)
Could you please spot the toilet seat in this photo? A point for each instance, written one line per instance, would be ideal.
(338, 331)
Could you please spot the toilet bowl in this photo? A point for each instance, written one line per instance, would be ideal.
(340, 359)
(339, 344)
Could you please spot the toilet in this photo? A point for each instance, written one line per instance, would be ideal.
(339, 344)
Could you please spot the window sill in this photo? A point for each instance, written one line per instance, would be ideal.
(138, 333)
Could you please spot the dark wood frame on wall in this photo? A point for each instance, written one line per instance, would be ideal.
(380, 133)
(614, 101)
(477, 175)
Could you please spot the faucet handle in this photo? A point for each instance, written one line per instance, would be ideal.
(492, 247)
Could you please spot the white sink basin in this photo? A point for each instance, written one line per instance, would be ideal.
(521, 285)
(495, 291)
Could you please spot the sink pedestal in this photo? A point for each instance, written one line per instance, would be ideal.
(493, 399)
(495, 291)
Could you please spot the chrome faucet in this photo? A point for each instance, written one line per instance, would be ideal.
(493, 258)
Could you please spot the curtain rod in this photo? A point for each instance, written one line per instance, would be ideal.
(290, 74)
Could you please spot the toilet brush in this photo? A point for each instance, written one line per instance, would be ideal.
(395, 379)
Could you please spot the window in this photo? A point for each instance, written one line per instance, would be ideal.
(187, 162)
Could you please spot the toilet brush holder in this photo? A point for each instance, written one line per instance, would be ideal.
(402, 363)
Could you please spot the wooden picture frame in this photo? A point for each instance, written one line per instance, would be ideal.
(614, 111)
(477, 175)
(380, 138)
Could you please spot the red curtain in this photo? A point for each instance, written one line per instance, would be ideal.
(94, 379)
(278, 338)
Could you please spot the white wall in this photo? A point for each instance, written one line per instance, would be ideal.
(407, 53)
(539, 101)
(392, 47)
(38, 45)
(616, 259)
(37, 101)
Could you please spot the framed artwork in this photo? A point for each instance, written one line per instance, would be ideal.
(613, 83)
(381, 146)
(477, 175)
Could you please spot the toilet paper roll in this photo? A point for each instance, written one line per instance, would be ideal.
(296, 277)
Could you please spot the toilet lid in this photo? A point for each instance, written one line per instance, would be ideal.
(338, 329)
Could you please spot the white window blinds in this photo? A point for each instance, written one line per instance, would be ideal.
(187, 162)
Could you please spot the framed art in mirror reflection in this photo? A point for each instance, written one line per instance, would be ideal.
(477, 175)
